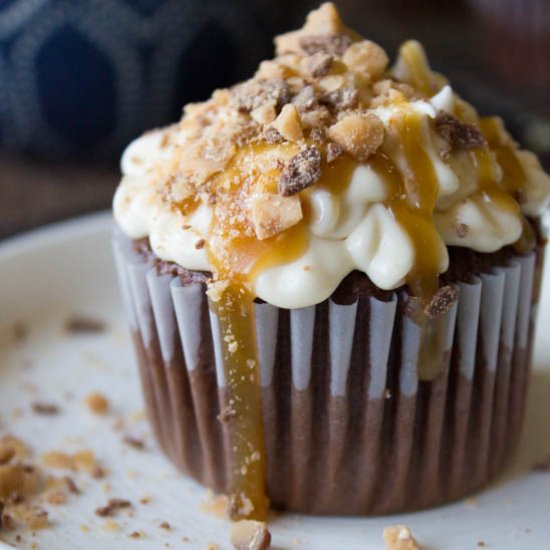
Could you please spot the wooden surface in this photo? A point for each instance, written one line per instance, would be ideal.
(33, 193)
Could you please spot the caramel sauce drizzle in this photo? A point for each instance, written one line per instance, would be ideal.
(411, 200)
(508, 191)
(237, 258)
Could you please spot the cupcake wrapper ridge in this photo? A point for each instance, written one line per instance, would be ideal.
(350, 428)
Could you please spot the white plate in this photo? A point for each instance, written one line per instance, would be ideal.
(50, 274)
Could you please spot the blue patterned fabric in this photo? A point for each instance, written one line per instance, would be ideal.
(84, 77)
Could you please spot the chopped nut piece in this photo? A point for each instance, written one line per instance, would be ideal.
(288, 123)
(216, 506)
(165, 525)
(97, 403)
(358, 134)
(252, 94)
(34, 520)
(216, 290)
(45, 408)
(441, 301)
(318, 64)
(56, 498)
(366, 57)
(6, 454)
(316, 118)
(341, 99)
(331, 83)
(250, 535)
(333, 151)
(264, 114)
(272, 213)
(334, 44)
(270, 69)
(301, 171)
(80, 461)
(399, 537)
(18, 479)
(112, 507)
(458, 134)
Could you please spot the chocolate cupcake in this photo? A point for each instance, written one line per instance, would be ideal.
(330, 272)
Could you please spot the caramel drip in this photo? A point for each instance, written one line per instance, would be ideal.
(507, 192)
(235, 312)
(237, 256)
(411, 200)
(514, 177)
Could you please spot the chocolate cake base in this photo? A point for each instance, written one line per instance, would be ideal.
(350, 429)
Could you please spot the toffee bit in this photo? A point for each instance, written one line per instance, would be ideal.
(399, 537)
(45, 408)
(71, 485)
(97, 403)
(6, 454)
(97, 472)
(84, 325)
(333, 151)
(250, 535)
(301, 171)
(306, 99)
(250, 95)
(441, 302)
(341, 99)
(166, 526)
(200, 244)
(334, 44)
(318, 135)
(134, 442)
(462, 230)
(458, 134)
(112, 507)
(359, 135)
(318, 64)
(271, 136)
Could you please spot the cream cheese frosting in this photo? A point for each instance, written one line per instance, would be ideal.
(354, 228)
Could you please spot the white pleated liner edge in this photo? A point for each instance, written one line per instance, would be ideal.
(500, 302)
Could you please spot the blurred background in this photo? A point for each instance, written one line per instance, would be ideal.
(80, 78)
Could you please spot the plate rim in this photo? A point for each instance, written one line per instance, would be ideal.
(54, 232)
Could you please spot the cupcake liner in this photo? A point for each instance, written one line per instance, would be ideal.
(349, 426)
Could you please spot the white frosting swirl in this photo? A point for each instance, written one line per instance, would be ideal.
(353, 231)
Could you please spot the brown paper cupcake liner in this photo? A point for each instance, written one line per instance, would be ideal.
(349, 427)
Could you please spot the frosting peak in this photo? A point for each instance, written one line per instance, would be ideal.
(325, 162)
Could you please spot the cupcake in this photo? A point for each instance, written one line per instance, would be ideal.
(330, 272)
